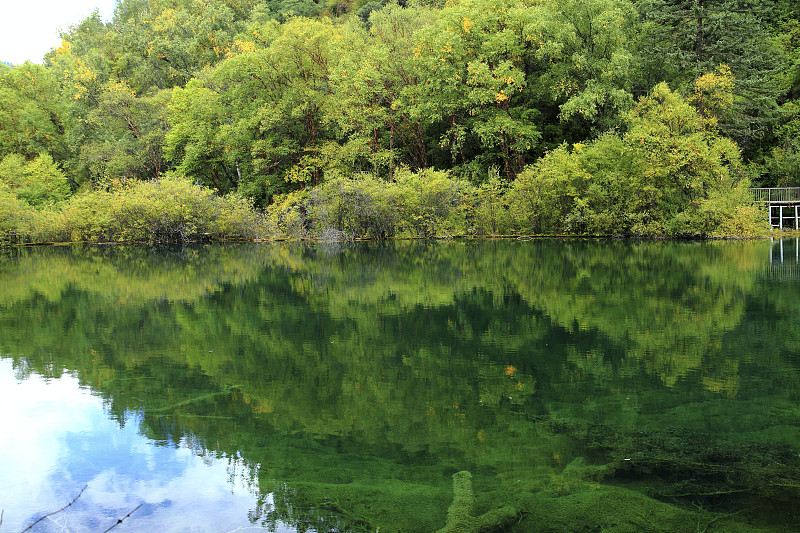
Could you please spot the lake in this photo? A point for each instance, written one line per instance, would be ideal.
(491, 385)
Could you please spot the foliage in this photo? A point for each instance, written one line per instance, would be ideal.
(195, 140)
(471, 65)
(688, 39)
(31, 112)
(15, 216)
(486, 209)
(669, 174)
(587, 46)
(783, 164)
(171, 209)
(417, 204)
(542, 197)
(357, 208)
(38, 182)
(268, 99)
(429, 204)
(126, 135)
(288, 217)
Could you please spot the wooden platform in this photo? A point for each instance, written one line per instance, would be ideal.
(783, 204)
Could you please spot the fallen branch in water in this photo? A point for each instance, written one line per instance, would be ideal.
(56, 512)
(168, 408)
(714, 493)
(119, 521)
(459, 519)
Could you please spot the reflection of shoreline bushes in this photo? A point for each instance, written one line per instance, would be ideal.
(343, 399)
(125, 275)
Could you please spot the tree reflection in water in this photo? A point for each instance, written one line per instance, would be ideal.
(581, 383)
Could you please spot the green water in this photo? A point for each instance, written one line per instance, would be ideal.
(583, 385)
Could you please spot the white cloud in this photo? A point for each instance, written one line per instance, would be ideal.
(56, 437)
(29, 28)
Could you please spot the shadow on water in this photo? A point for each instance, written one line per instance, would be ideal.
(583, 385)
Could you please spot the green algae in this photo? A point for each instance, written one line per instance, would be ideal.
(596, 507)
(459, 519)
(359, 394)
(459, 514)
(385, 505)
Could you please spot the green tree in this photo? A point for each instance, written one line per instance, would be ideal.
(39, 182)
(258, 118)
(372, 70)
(782, 166)
(394, 32)
(81, 66)
(164, 43)
(127, 134)
(32, 117)
(195, 142)
(692, 37)
(582, 65)
(471, 64)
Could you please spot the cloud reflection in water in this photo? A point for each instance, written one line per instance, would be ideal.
(57, 438)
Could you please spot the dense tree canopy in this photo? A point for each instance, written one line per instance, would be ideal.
(269, 98)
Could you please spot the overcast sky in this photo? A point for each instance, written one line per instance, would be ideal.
(29, 28)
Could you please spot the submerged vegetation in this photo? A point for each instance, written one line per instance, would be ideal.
(356, 119)
(441, 386)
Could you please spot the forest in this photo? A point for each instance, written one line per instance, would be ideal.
(184, 120)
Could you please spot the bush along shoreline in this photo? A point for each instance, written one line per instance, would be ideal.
(425, 205)
(167, 210)
(670, 174)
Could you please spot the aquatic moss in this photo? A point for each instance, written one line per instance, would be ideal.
(595, 507)
(459, 514)
(459, 518)
(387, 505)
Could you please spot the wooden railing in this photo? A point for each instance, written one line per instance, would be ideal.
(776, 195)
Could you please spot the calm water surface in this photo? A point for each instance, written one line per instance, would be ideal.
(525, 386)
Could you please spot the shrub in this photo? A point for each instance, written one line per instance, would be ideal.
(358, 208)
(171, 209)
(543, 196)
(487, 208)
(288, 216)
(16, 218)
(424, 204)
(671, 173)
(430, 204)
(39, 182)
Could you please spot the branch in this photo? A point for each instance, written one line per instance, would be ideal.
(56, 512)
(118, 522)
(720, 517)
(164, 410)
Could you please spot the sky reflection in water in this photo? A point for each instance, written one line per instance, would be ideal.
(58, 438)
